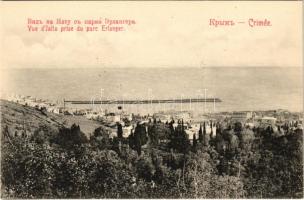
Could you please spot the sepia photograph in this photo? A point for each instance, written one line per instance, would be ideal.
(162, 100)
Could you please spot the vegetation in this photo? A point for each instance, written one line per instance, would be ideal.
(156, 161)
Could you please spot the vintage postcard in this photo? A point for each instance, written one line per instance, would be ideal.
(153, 99)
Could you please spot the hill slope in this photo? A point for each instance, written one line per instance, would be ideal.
(19, 118)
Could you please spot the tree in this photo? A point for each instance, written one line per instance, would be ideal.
(179, 140)
(109, 177)
(137, 142)
(183, 143)
(206, 140)
(131, 139)
(246, 139)
(200, 134)
(140, 137)
(194, 145)
(145, 169)
(199, 180)
(119, 131)
(73, 140)
(70, 137)
(227, 187)
(100, 132)
(158, 132)
(204, 129)
(238, 127)
(154, 120)
(27, 169)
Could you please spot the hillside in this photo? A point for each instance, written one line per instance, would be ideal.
(18, 118)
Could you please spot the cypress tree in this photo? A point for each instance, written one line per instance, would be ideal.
(184, 140)
(119, 131)
(200, 134)
(206, 137)
(137, 140)
(194, 145)
(131, 140)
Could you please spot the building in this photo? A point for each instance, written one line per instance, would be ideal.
(191, 134)
(268, 120)
(94, 115)
(127, 130)
(112, 118)
(162, 117)
(127, 116)
(240, 117)
(186, 116)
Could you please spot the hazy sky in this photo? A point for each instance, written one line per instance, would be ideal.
(167, 34)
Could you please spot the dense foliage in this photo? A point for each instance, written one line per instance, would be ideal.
(156, 161)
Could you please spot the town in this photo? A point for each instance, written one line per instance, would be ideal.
(276, 119)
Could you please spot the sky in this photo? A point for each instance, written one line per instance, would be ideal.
(166, 34)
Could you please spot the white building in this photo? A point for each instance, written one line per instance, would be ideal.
(127, 131)
(191, 134)
(208, 130)
(127, 116)
(241, 116)
(268, 120)
(250, 124)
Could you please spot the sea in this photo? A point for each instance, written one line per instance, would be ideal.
(239, 88)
